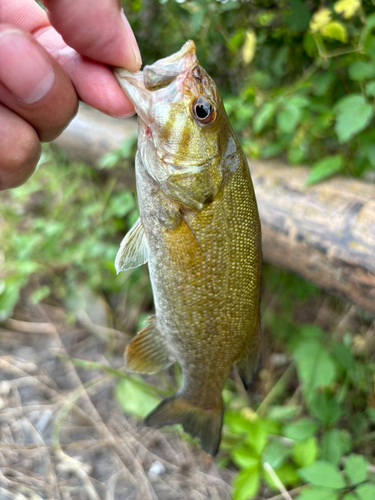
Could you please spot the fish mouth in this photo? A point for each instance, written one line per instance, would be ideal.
(140, 87)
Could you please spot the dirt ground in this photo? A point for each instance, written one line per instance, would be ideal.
(62, 434)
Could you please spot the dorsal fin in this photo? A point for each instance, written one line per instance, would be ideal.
(133, 251)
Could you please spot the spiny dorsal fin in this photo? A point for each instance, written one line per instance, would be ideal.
(149, 351)
(133, 251)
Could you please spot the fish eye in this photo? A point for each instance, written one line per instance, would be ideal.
(203, 111)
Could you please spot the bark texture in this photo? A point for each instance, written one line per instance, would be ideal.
(325, 233)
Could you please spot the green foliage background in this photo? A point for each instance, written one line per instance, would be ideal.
(298, 81)
(298, 78)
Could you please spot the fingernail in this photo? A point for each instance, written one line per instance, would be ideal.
(131, 39)
(126, 115)
(23, 69)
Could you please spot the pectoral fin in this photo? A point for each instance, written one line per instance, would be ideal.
(171, 189)
(133, 251)
(247, 363)
(149, 351)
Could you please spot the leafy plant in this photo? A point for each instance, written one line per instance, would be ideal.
(62, 229)
(298, 77)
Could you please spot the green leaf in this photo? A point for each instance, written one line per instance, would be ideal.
(370, 23)
(134, 398)
(118, 205)
(311, 332)
(315, 366)
(275, 453)
(237, 423)
(299, 17)
(321, 83)
(324, 474)
(305, 452)
(369, 47)
(287, 474)
(300, 430)
(370, 89)
(335, 30)
(318, 493)
(263, 116)
(246, 484)
(288, 118)
(39, 294)
(281, 413)
(127, 146)
(9, 295)
(309, 44)
(354, 113)
(334, 444)
(299, 101)
(296, 155)
(244, 457)
(257, 438)
(349, 496)
(366, 492)
(272, 149)
(356, 468)
(371, 414)
(325, 168)
(235, 41)
(361, 70)
(196, 20)
(324, 407)
(343, 356)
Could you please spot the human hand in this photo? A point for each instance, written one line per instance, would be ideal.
(49, 62)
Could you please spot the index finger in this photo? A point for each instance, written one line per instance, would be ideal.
(98, 30)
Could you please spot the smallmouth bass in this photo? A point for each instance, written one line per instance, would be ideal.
(199, 231)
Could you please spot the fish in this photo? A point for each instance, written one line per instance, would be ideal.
(199, 232)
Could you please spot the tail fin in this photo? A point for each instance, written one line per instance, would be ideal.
(205, 424)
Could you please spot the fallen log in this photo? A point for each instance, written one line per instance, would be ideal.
(325, 233)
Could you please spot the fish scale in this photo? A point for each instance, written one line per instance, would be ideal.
(199, 230)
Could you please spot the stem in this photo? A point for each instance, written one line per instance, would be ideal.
(276, 390)
(92, 365)
(275, 478)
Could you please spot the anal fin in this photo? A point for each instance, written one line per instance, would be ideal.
(247, 363)
(149, 351)
(133, 251)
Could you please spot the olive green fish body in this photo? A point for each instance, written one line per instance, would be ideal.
(199, 231)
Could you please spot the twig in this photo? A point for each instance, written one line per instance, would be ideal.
(99, 331)
(276, 390)
(93, 365)
(104, 431)
(292, 493)
(28, 326)
(284, 493)
(68, 404)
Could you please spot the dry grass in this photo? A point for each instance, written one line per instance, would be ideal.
(62, 435)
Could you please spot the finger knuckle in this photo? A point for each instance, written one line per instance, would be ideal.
(20, 159)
